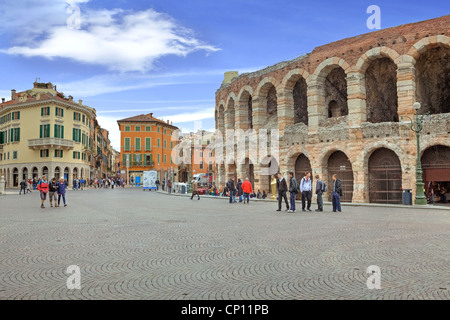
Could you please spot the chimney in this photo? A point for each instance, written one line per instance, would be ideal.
(70, 98)
(168, 122)
(3, 100)
(13, 94)
(150, 115)
(80, 102)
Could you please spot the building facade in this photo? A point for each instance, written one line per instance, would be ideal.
(44, 133)
(146, 144)
(344, 109)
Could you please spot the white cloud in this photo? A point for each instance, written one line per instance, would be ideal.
(121, 40)
(207, 113)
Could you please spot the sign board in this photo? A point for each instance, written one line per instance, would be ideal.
(122, 172)
(150, 180)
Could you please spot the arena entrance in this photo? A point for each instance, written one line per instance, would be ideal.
(339, 164)
(385, 177)
(302, 165)
(436, 173)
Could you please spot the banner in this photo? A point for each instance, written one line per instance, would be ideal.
(150, 180)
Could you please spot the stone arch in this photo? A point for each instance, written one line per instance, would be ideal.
(221, 117)
(45, 172)
(15, 177)
(295, 87)
(35, 172)
(25, 173)
(432, 74)
(75, 172)
(57, 173)
(436, 169)
(373, 54)
(230, 112)
(326, 66)
(245, 108)
(267, 106)
(302, 165)
(385, 177)
(337, 162)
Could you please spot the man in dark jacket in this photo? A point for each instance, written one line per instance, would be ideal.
(23, 187)
(231, 187)
(282, 189)
(293, 190)
(240, 192)
(52, 189)
(337, 193)
(319, 188)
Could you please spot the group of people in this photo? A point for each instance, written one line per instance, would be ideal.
(436, 193)
(305, 187)
(51, 188)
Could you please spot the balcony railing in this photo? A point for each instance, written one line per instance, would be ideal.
(50, 143)
(143, 164)
(1, 147)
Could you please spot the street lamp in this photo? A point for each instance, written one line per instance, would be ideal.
(417, 126)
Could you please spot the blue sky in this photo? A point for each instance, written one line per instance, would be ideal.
(168, 57)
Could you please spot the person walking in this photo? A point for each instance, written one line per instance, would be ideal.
(61, 189)
(43, 190)
(23, 187)
(247, 189)
(306, 190)
(232, 189)
(240, 192)
(293, 190)
(169, 186)
(52, 188)
(195, 189)
(82, 183)
(337, 193)
(29, 182)
(282, 189)
(320, 189)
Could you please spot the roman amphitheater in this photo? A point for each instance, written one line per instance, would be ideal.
(341, 109)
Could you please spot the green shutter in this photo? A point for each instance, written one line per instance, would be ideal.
(42, 111)
(62, 112)
(41, 133)
(48, 130)
(18, 134)
(56, 111)
(56, 131)
(147, 144)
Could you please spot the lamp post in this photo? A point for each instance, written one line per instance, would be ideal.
(417, 126)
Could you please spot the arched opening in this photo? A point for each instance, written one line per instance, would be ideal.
(436, 172)
(333, 109)
(248, 172)
(25, 174)
(300, 101)
(231, 172)
(381, 91)
(75, 173)
(433, 80)
(302, 165)
(15, 177)
(57, 173)
(221, 119)
(272, 101)
(82, 173)
(336, 90)
(35, 173)
(339, 164)
(246, 103)
(45, 172)
(250, 112)
(231, 114)
(66, 174)
(385, 177)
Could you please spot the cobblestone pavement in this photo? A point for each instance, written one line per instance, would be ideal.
(131, 244)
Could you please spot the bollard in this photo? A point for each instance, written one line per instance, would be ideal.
(2, 186)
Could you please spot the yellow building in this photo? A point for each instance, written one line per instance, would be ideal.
(44, 133)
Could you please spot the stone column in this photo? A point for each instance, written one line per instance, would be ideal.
(2, 186)
(360, 183)
(285, 110)
(316, 105)
(357, 111)
(406, 86)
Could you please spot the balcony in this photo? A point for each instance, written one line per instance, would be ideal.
(146, 164)
(1, 147)
(46, 143)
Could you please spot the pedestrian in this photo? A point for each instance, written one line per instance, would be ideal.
(29, 182)
(306, 190)
(52, 188)
(337, 193)
(320, 189)
(232, 190)
(195, 189)
(240, 192)
(293, 190)
(62, 191)
(282, 189)
(163, 184)
(247, 189)
(157, 184)
(264, 195)
(81, 183)
(34, 183)
(43, 190)
(259, 194)
(169, 186)
(23, 187)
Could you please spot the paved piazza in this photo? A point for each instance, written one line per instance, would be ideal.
(131, 244)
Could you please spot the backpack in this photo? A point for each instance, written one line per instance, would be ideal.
(324, 187)
(297, 189)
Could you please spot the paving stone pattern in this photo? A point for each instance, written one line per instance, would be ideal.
(131, 244)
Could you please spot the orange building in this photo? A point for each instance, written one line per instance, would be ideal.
(146, 144)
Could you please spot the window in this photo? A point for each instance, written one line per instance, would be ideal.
(45, 111)
(3, 137)
(44, 153)
(76, 135)
(201, 164)
(76, 155)
(44, 131)
(84, 118)
(148, 128)
(165, 158)
(137, 128)
(148, 144)
(159, 158)
(159, 142)
(15, 115)
(15, 135)
(165, 144)
(59, 131)
(6, 118)
(14, 155)
(59, 153)
(76, 116)
(137, 144)
(159, 129)
(171, 145)
(59, 112)
(210, 155)
(210, 166)
(127, 144)
(127, 128)
(165, 131)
